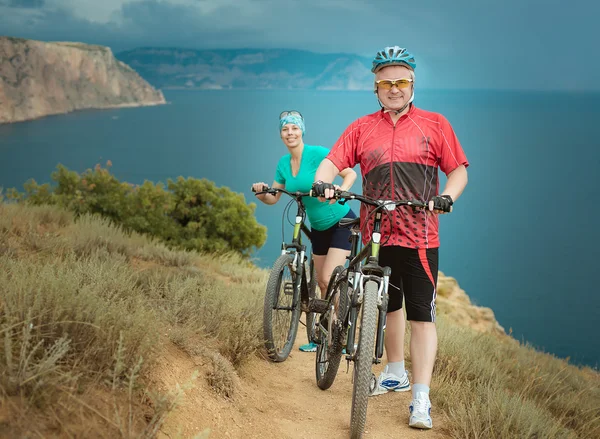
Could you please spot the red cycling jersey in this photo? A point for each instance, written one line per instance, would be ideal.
(400, 161)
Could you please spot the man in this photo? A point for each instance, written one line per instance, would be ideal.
(399, 149)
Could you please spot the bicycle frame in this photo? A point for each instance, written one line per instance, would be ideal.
(358, 274)
(369, 298)
(301, 283)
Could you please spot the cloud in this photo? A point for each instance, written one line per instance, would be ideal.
(25, 4)
(463, 44)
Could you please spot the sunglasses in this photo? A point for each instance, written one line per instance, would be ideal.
(290, 113)
(387, 84)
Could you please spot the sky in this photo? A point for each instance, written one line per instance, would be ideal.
(518, 44)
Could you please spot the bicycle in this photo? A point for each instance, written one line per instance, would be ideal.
(356, 293)
(289, 297)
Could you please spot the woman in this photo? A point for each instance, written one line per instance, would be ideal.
(296, 172)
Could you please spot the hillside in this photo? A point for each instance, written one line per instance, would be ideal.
(39, 79)
(249, 68)
(109, 334)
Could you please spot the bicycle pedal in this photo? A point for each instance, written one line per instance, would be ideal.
(288, 288)
(318, 306)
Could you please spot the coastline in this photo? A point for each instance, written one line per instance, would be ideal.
(105, 107)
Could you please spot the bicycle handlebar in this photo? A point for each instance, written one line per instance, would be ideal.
(346, 195)
(273, 191)
(379, 203)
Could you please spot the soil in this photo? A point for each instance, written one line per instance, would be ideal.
(279, 400)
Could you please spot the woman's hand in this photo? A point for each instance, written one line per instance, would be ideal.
(259, 187)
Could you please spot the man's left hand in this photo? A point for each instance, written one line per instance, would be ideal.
(441, 204)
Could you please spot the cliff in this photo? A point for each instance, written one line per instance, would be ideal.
(453, 302)
(39, 79)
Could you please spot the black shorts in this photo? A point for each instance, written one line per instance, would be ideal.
(414, 278)
(335, 236)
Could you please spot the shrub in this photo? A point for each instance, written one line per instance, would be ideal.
(191, 214)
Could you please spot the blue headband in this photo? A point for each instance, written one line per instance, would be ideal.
(296, 120)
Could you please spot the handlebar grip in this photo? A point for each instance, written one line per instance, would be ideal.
(312, 193)
(430, 207)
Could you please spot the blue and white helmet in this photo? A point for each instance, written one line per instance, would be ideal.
(393, 55)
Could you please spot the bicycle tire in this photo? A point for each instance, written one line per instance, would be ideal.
(364, 361)
(275, 352)
(332, 353)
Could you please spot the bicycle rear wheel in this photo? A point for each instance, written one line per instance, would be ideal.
(364, 361)
(331, 344)
(280, 314)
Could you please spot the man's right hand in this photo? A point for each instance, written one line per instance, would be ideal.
(325, 191)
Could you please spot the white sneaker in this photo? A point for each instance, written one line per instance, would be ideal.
(389, 382)
(420, 411)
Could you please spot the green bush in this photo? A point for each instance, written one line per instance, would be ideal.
(192, 214)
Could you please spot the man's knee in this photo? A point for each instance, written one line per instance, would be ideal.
(422, 327)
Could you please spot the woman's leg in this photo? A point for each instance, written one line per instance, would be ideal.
(319, 264)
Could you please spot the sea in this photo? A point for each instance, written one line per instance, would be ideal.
(522, 239)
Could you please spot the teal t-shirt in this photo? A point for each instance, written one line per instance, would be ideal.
(321, 215)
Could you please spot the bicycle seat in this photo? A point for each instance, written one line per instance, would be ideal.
(349, 222)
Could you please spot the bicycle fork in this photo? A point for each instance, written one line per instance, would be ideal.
(301, 290)
(297, 290)
(382, 302)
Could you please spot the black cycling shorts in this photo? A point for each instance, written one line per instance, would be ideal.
(414, 279)
(335, 236)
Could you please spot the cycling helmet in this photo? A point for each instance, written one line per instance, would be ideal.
(393, 55)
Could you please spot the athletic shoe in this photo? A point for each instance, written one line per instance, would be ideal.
(389, 382)
(420, 412)
(309, 347)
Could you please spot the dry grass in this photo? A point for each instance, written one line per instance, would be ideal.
(220, 373)
(494, 387)
(84, 308)
(80, 325)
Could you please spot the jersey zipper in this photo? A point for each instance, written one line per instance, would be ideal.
(393, 194)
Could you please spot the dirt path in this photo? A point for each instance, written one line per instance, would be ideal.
(280, 400)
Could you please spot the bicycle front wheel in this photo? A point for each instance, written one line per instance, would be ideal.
(364, 361)
(281, 312)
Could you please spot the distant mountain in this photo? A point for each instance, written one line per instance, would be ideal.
(249, 68)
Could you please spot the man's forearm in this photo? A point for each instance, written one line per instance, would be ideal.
(348, 181)
(326, 171)
(456, 183)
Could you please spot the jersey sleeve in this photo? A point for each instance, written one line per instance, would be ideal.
(451, 152)
(344, 152)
